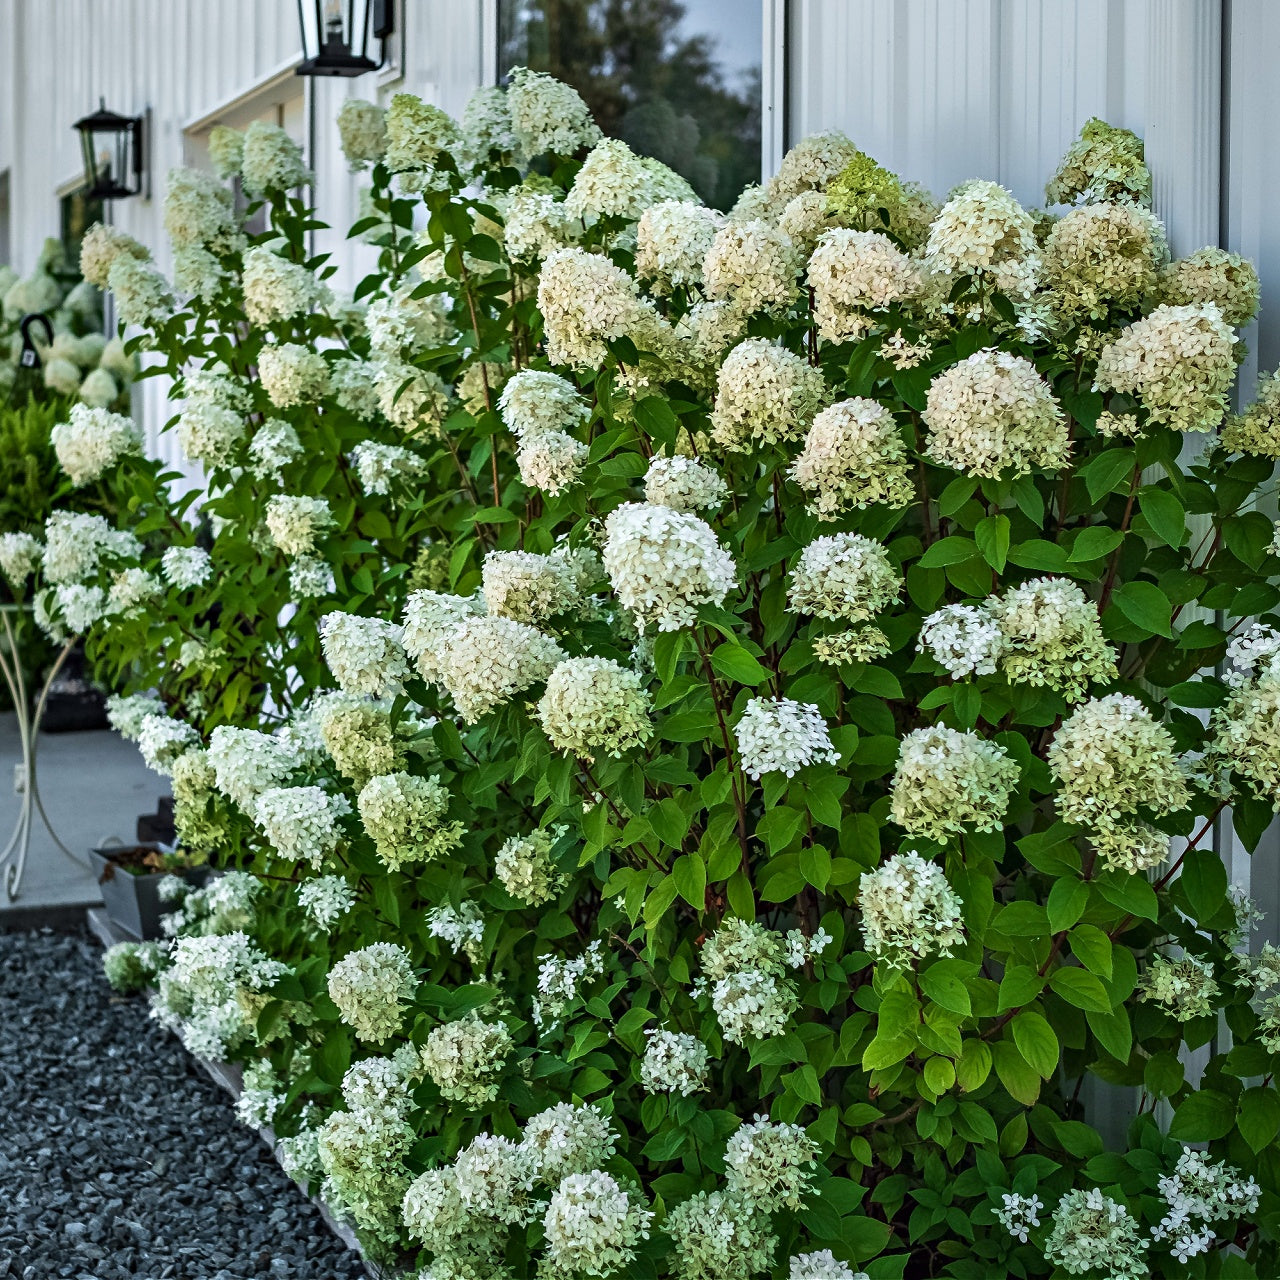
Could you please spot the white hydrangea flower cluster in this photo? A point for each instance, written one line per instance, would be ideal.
(1213, 275)
(536, 225)
(354, 386)
(186, 567)
(292, 375)
(100, 248)
(559, 981)
(853, 272)
(381, 467)
(401, 325)
(92, 441)
(1178, 361)
(213, 990)
(822, 1265)
(948, 781)
(370, 987)
(1018, 1214)
(664, 564)
(415, 400)
(595, 705)
(247, 762)
(980, 230)
(780, 735)
(275, 444)
(1102, 257)
(684, 484)
(417, 132)
(429, 617)
(805, 219)
(296, 521)
(302, 823)
(142, 295)
(717, 1234)
(404, 815)
(964, 639)
(484, 662)
(909, 910)
(486, 123)
(548, 115)
(844, 576)
(1091, 1232)
(1052, 637)
(362, 132)
(465, 1059)
(593, 1226)
(326, 899)
(365, 655)
(992, 415)
(673, 239)
(78, 544)
(1184, 987)
(130, 966)
(224, 905)
(528, 588)
(276, 289)
(1243, 733)
(703, 334)
(262, 1095)
(743, 968)
(765, 395)
(1111, 760)
(674, 1062)
(853, 457)
(613, 182)
(462, 927)
(770, 1165)
(753, 266)
(586, 303)
(1200, 1192)
(1103, 163)
(525, 869)
(126, 712)
(270, 160)
(161, 740)
(20, 556)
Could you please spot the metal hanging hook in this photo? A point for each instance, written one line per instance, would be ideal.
(30, 358)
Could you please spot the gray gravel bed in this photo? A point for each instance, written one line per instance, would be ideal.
(118, 1157)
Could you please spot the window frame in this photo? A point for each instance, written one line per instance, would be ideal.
(773, 75)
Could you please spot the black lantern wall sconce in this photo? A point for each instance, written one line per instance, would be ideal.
(336, 35)
(114, 154)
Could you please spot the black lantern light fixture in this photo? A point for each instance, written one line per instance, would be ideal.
(336, 35)
(113, 153)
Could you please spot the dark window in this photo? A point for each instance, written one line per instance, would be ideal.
(675, 79)
(79, 211)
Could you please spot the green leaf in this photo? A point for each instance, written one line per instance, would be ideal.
(1113, 1031)
(690, 875)
(1020, 985)
(1130, 893)
(656, 417)
(1204, 880)
(1165, 514)
(1198, 693)
(1037, 553)
(945, 551)
(1259, 1116)
(974, 1064)
(1021, 1080)
(1081, 988)
(945, 982)
(1094, 543)
(1103, 473)
(659, 901)
(992, 537)
(1146, 606)
(1037, 1042)
(939, 1074)
(1092, 948)
(734, 663)
(1067, 901)
(1203, 1117)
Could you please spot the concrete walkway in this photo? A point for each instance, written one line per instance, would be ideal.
(93, 785)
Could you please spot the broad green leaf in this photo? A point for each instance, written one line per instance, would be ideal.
(1067, 901)
(1165, 514)
(1203, 1117)
(734, 663)
(1036, 1041)
(1081, 988)
(1146, 606)
(992, 537)
(945, 982)
(945, 551)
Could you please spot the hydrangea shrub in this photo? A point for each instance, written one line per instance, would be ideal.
(757, 763)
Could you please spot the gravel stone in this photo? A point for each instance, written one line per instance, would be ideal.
(118, 1157)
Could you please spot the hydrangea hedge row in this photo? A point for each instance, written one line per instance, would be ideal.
(716, 723)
